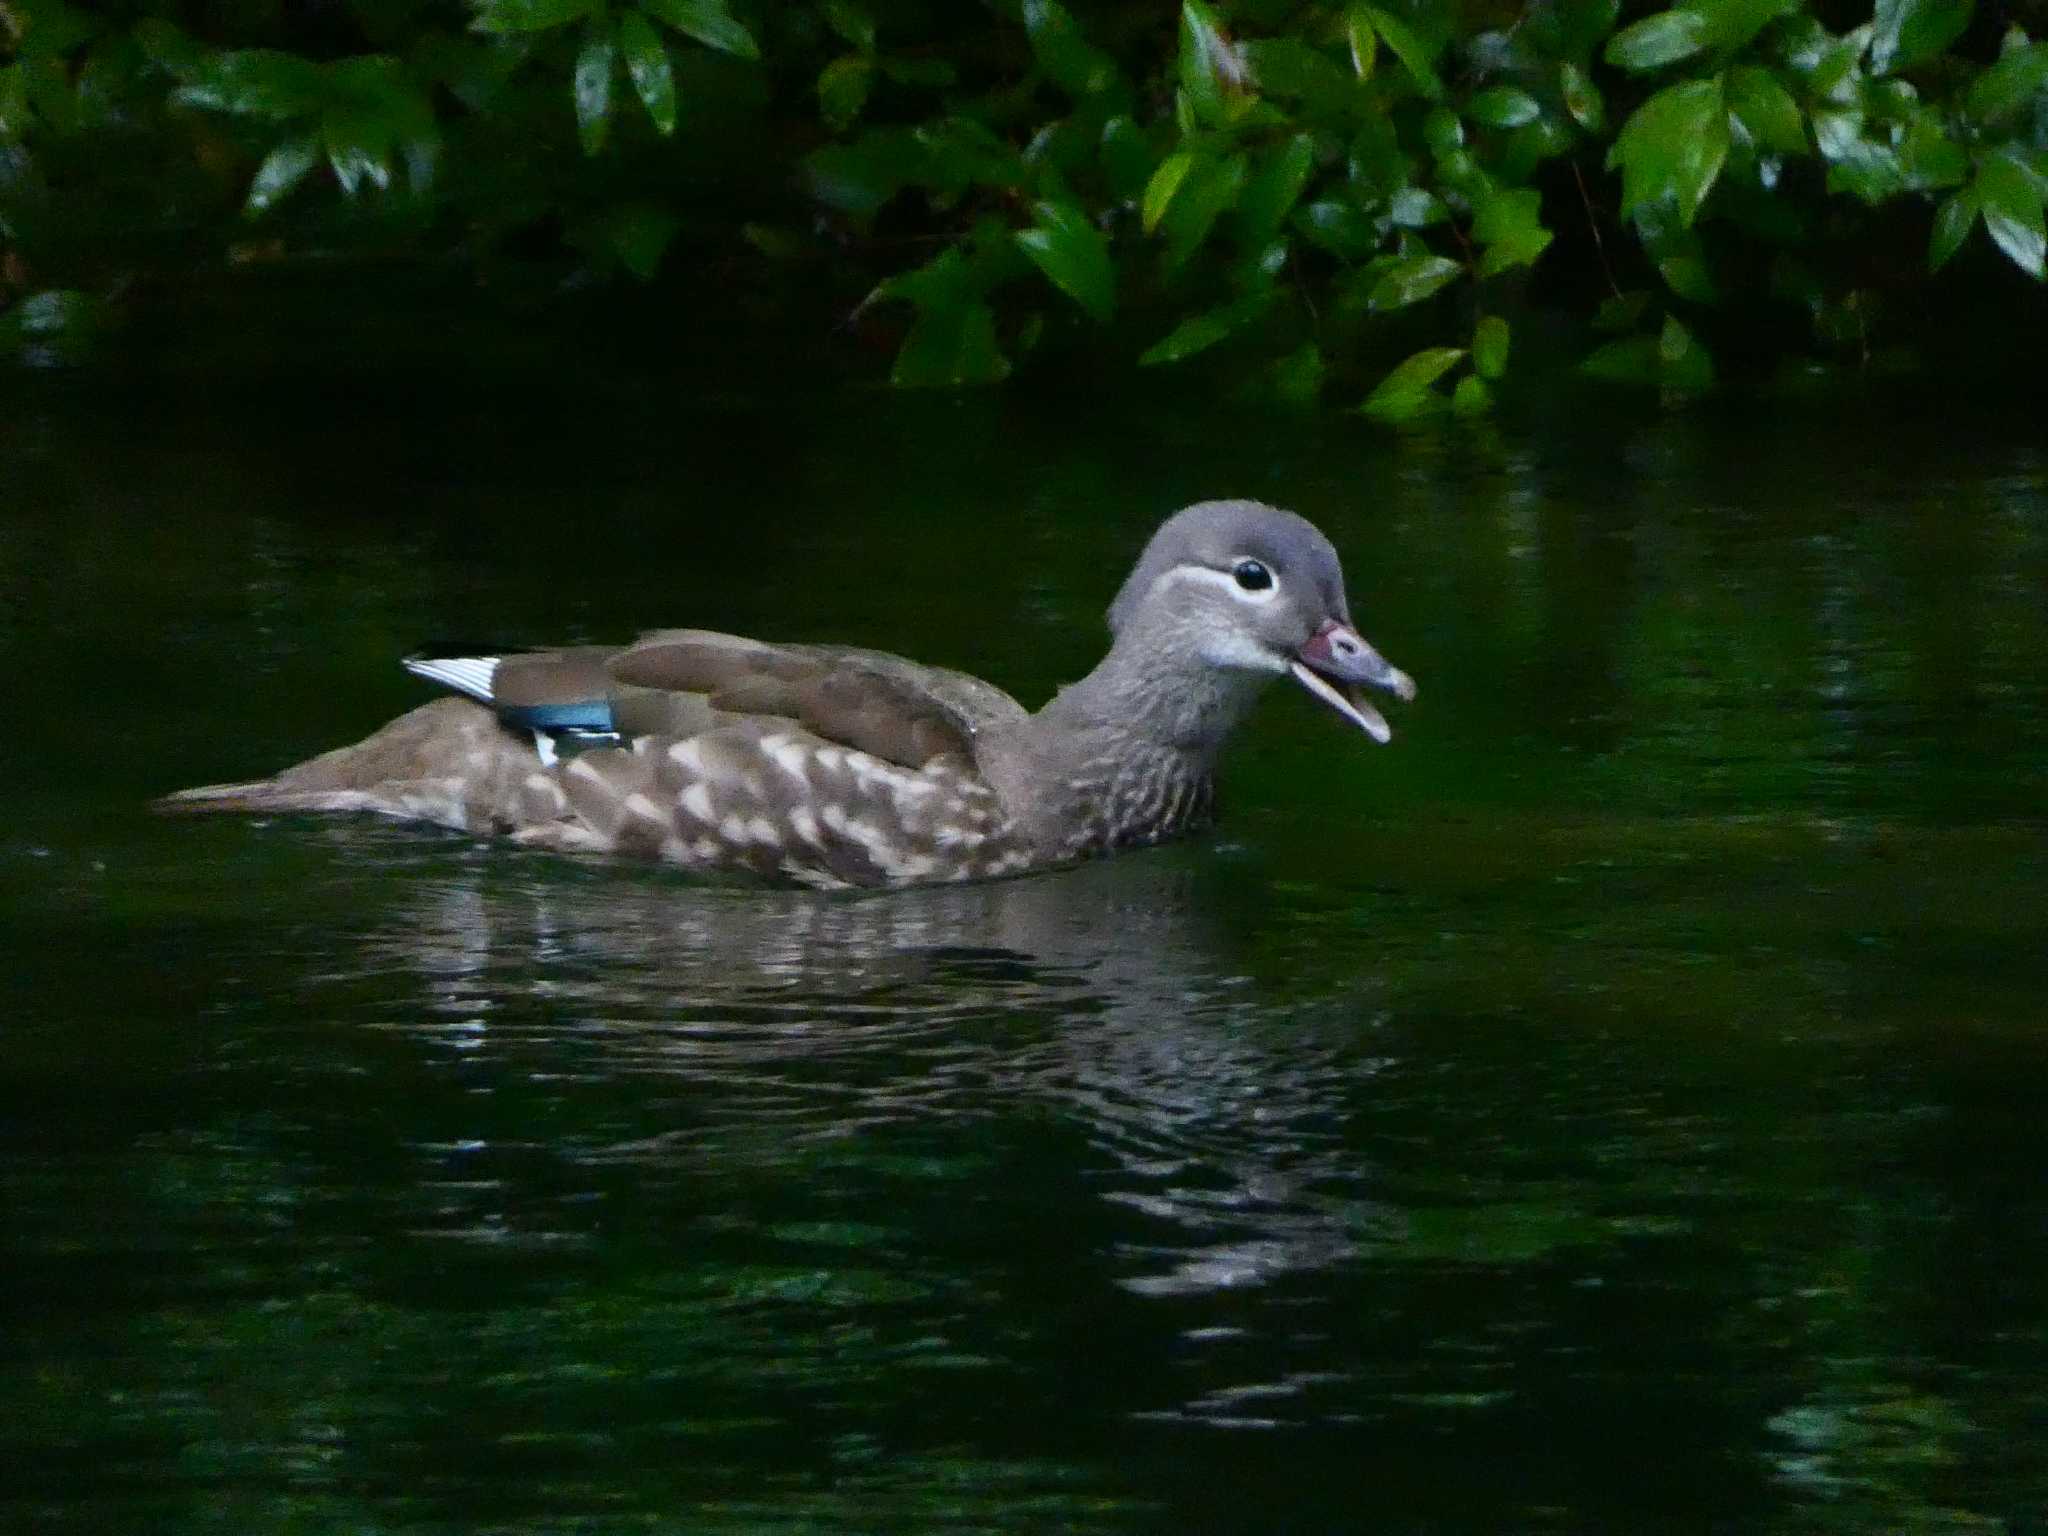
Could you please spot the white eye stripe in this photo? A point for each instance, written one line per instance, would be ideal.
(1224, 580)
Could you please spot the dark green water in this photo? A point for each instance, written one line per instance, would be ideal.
(1617, 1106)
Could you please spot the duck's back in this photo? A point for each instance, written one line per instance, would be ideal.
(824, 764)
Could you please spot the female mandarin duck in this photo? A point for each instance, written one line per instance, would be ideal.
(840, 767)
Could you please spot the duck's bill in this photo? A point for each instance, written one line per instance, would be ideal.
(1336, 659)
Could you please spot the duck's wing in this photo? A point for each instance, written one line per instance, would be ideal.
(873, 702)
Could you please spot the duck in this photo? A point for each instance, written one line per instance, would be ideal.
(838, 767)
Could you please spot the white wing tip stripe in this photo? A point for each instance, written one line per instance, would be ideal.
(473, 675)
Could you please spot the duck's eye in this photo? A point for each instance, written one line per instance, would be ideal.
(1252, 576)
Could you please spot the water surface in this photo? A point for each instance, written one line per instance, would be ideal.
(1615, 1106)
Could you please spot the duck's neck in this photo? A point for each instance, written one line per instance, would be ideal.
(1126, 755)
(1160, 695)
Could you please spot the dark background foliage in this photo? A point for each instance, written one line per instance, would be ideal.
(1398, 205)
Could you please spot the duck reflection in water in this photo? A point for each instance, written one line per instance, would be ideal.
(1114, 995)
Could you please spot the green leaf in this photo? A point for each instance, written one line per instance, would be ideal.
(1929, 157)
(951, 343)
(1471, 397)
(1200, 332)
(1159, 191)
(1858, 163)
(1490, 346)
(1413, 208)
(1213, 75)
(1951, 227)
(593, 89)
(1271, 192)
(282, 169)
(1410, 281)
(529, 15)
(2012, 213)
(2008, 85)
(639, 234)
(1673, 146)
(843, 89)
(1073, 254)
(1340, 227)
(1767, 111)
(647, 63)
(1909, 32)
(1408, 48)
(1658, 40)
(1621, 312)
(254, 82)
(1629, 360)
(56, 312)
(1582, 98)
(1209, 189)
(1069, 60)
(1363, 42)
(1682, 362)
(1125, 158)
(709, 22)
(1503, 107)
(1298, 377)
(1405, 392)
(855, 26)
(1510, 226)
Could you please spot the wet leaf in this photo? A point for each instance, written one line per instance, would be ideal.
(1510, 226)
(1271, 192)
(1209, 189)
(647, 63)
(1767, 111)
(282, 169)
(254, 82)
(1288, 67)
(593, 90)
(1072, 253)
(1068, 58)
(2011, 201)
(1409, 48)
(1213, 73)
(843, 89)
(1909, 32)
(2008, 85)
(1405, 392)
(1410, 281)
(1200, 332)
(1490, 346)
(1951, 227)
(1503, 107)
(1673, 147)
(709, 22)
(529, 15)
(1658, 40)
(1362, 41)
(1165, 182)
(1582, 98)
(1413, 208)
(1340, 227)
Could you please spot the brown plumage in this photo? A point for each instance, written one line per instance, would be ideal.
(834, 766)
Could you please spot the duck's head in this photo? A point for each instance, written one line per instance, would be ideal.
(1250, 588)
